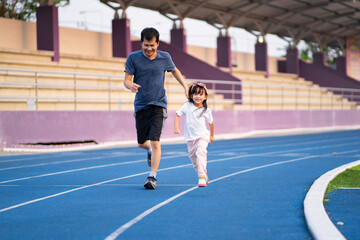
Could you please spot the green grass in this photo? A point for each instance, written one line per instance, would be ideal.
(350, 178)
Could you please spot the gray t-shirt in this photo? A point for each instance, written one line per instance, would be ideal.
(150, 75)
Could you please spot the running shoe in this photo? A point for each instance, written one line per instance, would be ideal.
(202, 182)
(150, 183)
(149, 158)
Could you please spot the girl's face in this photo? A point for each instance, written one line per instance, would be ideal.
(199, 98)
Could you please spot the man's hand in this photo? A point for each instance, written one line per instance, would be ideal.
(134, 87)
(186, 92)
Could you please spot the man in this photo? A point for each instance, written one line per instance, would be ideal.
(145, 76)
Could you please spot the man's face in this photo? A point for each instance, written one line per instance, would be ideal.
(149, 48)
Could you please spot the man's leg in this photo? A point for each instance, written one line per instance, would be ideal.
(157, 122)
(146, 145)
(155, 161)
(156, 155)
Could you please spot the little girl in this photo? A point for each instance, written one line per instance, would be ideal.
(196, 134)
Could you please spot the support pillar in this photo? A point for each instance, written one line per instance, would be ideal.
(292, 61)
(178, 38)
(121, 41)
(47, 30)
(224, 52)
(261, 57)
(319, 59)
(341, 65)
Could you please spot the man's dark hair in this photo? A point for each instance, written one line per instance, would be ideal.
(149, 33)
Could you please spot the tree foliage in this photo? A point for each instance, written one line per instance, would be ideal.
(25, 9)
(330, 53)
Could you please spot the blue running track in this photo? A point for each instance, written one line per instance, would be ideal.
(256, 190)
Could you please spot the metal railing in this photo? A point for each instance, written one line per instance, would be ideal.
(250, 95)
(75, 87)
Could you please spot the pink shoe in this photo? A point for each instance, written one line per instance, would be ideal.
(202, 182)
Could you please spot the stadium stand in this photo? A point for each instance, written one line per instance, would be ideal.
(31, 81)
(286, 91)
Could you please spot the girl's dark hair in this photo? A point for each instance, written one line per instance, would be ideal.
(197, 89)
(149, 33)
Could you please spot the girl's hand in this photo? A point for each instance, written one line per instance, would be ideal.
(177, 131)
(212, 138)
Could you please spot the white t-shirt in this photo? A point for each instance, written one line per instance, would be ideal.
(195, 126)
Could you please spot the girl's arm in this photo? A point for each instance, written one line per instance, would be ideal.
(212, 131)
(176, 125)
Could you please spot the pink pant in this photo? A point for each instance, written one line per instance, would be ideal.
(198, 155)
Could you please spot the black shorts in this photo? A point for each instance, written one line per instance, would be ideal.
(149, 123)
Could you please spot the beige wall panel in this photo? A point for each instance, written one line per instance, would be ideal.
(80, 42)
(22, 35)
(17, 34)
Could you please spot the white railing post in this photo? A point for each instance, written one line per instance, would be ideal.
(251, 96)
(109, 86)
(309, 99)
(296, 94)
(36, 92)
(75, 95)
(282, 98)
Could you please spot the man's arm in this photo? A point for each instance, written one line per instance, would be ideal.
(177, 74)
(129, 84)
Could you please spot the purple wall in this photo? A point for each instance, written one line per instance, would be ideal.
(106, 126)
(194, 68)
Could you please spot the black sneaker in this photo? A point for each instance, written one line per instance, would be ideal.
(149, 158)
(150, 183)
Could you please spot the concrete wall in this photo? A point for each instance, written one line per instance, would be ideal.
(89, 43)
(244, 61)
(18, 127)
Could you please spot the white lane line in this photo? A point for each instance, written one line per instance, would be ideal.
(80, 169)
(136, 161)
(133, 221)
(104, 185)
(94, 167)
(71, 161)
(134, 175)
(100, 183)
(59, 155)
(52, 163)
(69, 171)
(87, 186)
(242, 149)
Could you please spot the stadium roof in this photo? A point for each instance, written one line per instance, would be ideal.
(327, 22)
